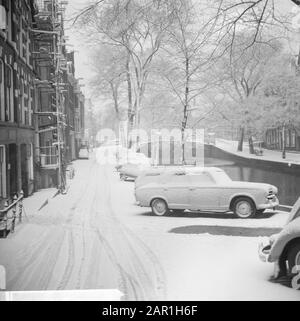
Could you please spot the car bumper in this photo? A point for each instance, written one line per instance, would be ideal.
(269, 205)
(264, 249)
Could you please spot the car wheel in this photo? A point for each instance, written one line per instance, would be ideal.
(159, 207)
(243, 207)
(293, 259)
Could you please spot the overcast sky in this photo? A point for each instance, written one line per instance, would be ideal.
(82, 51)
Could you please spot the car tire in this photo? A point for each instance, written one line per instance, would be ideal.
(260, 212)
(177, 212)
(159, 207)
(244, 207)
(293, 258)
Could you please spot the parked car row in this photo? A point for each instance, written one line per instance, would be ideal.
(170, 190)
(131, 164)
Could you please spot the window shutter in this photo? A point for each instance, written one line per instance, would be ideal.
(5, 4)
(3, 24)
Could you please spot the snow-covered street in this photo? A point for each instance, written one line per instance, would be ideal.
(95, 237)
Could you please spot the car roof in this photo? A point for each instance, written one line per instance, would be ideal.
(180, 169)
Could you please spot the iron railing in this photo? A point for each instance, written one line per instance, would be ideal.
(10, 213)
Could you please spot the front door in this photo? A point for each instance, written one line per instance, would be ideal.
(12, 166)
(203, 191)
(24, 169)
(176, 191)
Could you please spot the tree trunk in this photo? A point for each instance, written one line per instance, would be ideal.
(185, 110)
(283, 142)
(130, 105)
(115, 97)
(251, 146)
(241, 141)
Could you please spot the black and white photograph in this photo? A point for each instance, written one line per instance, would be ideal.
(149, 151)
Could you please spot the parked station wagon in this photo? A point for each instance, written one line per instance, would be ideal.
(207, 189)
(283, 249)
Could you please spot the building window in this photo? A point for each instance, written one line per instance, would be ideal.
(2, 111)
(293, 139)
(2, 173)
(22, 101)
(31, 106)
(30, 161)
(3, 17)
(24, 46)
(8, 19)
(8, 93)
(26, 104)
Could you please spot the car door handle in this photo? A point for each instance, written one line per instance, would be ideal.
(192, 188)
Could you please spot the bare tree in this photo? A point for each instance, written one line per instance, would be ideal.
(138, 27)
(279, 97)
(258, 16)
(241, 73)
(186, 55)
(109, 76)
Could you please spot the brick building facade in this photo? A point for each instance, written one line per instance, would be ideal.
(28, 98)
(16, 98)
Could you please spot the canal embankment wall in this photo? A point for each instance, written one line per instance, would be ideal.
(215, 152)
(212, 151)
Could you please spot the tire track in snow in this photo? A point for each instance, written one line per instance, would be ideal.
(82, 261)
(159, 273)
(36, 273)
(27, 258)
(24, 256)
(49, 261)
(125, 276)
(127, 283)
(42, 255)
(141, 284)
(160, 288)
(71, 260)
(85, 219)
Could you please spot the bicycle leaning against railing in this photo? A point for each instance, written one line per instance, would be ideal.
(10, 213)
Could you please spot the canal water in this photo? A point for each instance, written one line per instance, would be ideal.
(288, 183)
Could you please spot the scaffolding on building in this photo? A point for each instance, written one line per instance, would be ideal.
(50, 53)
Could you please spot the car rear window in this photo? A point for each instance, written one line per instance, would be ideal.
(201, 178)
(221, 177)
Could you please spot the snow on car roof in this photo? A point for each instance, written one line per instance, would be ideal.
(180, 169)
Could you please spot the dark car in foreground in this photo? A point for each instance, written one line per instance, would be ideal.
(283, 249)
